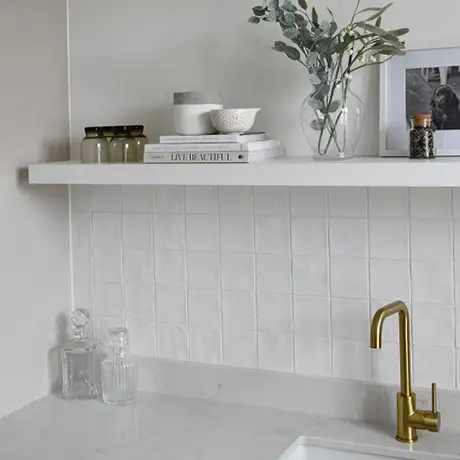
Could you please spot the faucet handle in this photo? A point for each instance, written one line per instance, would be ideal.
(434, 398)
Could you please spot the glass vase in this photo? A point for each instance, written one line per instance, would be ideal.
(332, 121)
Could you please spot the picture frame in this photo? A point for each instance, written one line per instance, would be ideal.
(411, 84)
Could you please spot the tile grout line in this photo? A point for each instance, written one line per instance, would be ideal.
(411, 278)
(186, 290)
(291, 296)
(329, 279)
(220, 283)
(454, 276)
(156, 344)
(369, 278)
(122, 261)
(92, 263)
(254, 258)
(71, 251)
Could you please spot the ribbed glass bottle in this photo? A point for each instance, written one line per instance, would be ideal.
(119, 371)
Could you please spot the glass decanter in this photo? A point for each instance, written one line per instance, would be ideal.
(80, 360)
(119, 371)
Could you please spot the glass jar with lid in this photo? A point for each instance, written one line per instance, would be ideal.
(122, 148)
(422, 138)
(137, 132)
(94, 146)
(119, 370)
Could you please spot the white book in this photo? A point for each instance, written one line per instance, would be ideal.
(210, 157)
(214, 138)
(218, 147)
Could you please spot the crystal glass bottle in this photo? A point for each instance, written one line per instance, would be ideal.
(79, 360)
(119, 371)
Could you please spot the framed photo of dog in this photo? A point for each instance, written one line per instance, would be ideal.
(422, 81)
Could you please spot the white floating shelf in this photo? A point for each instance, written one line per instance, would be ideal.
(359, 172)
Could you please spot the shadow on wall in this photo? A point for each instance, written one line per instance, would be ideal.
(50, 151)
(54, 355)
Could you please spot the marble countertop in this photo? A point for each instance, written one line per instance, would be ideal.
(176, 428)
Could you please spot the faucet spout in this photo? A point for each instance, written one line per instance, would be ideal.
(404, 339)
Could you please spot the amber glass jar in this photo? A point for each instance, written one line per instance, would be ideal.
(122, 147)
(94, 147)
(421, 138)
(137, 132)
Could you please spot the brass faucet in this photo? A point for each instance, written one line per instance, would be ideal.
(409, 418)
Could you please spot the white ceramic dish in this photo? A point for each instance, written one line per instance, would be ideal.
(233, 121)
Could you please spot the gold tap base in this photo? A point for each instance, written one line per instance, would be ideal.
(407, 441)
(406, 407)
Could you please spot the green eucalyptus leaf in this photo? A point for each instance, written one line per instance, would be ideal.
(394, 52)
(315, 80)
(399, 32)
(273, 4)
(292, 53)
(322, 91)
(314, 17)
(378, 23)
(315, 104)
(254, 20)
(331, 13)
(279, 46)
(291, 33)
(335, 105)
(259, 10)
(317, 125)
(311, 59)
(325, 26)
(373, 29)
(366, 10)
(341, 47)
(300, 20)
(323, 45)
(272, 16)
(302, 4)
(289, 19)
(391, 38)
(288, 6)
(307, 38)
(333, 28)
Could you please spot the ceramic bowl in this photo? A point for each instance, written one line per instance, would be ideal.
(233, 121)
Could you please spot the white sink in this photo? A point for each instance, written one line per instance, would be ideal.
(310, 449)
(306, 448)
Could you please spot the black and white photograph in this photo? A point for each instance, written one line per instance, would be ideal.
(434, 91)
(422, 82)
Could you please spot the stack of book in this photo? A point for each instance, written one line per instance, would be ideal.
(219, 148)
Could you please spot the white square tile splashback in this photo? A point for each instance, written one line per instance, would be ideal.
(277, 278)
(236, 201)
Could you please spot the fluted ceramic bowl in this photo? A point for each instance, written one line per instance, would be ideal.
(233, 121)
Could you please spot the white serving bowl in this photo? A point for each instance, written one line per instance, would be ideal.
(233, 121)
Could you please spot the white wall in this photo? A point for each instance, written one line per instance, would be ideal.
(127, 58)
(137, 251)
(34, 255)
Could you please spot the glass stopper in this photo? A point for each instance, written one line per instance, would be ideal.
(79, 319)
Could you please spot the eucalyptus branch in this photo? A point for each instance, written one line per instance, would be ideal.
(321, 46)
